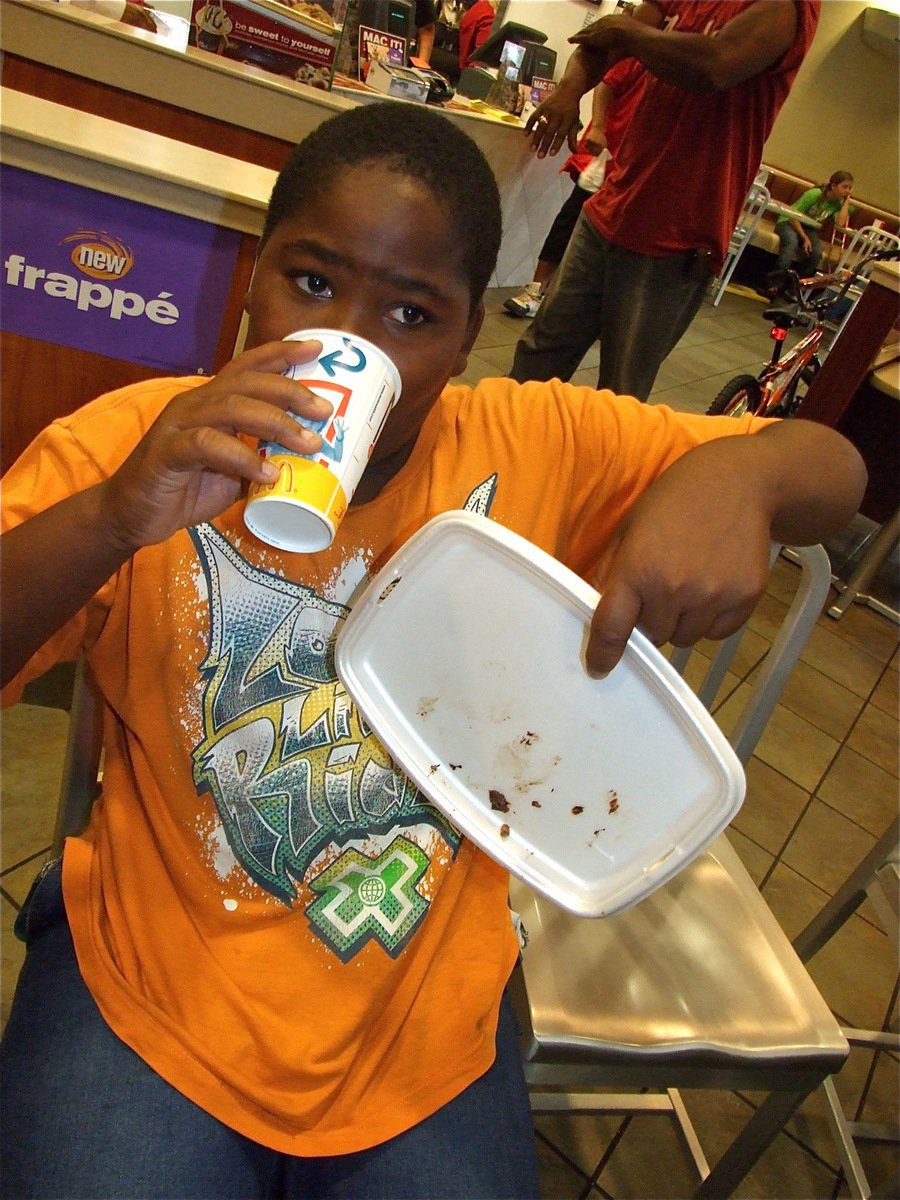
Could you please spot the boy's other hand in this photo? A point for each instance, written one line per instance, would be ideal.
(678, 571)
(198, 455)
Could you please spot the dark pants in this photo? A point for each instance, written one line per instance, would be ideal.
(638, 306)
(564, 223)
(790, 253)
(83, 1117)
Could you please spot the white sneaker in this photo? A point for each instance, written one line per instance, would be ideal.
(526, 303)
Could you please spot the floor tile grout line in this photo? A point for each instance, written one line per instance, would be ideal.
(25, 861)
(814, 794)
(561, 1154)
(6, 896)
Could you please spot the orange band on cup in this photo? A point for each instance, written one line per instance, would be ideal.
(303, 482)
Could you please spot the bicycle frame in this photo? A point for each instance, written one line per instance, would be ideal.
(773, 392)
(778, 380)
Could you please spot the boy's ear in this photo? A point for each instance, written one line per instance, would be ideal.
(476, 320)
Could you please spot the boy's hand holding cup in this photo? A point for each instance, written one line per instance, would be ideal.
(300, 510)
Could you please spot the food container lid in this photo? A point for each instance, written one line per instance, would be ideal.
(465, 654)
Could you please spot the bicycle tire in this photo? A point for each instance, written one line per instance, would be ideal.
(739, 395)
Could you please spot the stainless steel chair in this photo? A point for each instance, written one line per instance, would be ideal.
(861, 243)
(697, 986)
(754, 207)
(877, 878)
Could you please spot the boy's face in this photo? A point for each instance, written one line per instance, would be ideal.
(376, 257)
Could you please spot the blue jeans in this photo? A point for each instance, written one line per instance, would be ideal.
(790, 252)
(638, 306)
(84, 1117)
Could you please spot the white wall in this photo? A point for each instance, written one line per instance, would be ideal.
(842, 113)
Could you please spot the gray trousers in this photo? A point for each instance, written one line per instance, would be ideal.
(637, 306)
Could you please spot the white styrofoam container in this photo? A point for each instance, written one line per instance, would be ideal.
(465, 654)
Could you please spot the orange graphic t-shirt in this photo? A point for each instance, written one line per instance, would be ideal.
(263, 906)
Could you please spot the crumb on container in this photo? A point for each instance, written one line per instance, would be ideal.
(499, 802)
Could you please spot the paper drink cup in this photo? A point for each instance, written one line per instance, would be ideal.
(300, 511)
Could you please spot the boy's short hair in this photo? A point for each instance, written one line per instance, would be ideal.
(413, 141)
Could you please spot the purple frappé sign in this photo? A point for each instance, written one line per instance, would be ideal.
(95, 272)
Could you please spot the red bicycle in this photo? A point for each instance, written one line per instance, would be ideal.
(779, 388)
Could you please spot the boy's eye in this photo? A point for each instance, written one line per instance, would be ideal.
(314, 285)
(408, 314)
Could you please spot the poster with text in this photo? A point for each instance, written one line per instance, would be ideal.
(96, 272)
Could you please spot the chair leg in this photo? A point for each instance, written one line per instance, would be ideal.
(756, 1136)
(857, 586)
(850, 1160)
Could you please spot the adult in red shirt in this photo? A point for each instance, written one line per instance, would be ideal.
(474, 28)
(614, 101)
(648, 243)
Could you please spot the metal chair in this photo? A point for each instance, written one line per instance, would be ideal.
(878, 878)
(861, 243)
(82, 765)
(697, 986)
(754, 206)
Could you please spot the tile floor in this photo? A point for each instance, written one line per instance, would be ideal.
(821, 788)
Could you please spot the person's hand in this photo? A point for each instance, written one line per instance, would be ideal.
(805, 243)
(191, 464)
(554, 122)
(138, 17)
(595, 141)
(606, 35)
(687, 562)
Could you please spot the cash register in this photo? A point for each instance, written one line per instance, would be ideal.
(539, 60)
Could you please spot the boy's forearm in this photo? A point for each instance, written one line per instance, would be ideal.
(52, 565)
(808, 478)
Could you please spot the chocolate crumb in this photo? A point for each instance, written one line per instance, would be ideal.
(535, 804)
(504, 831)
(454, 766)
(499, 802)
(434, 767)
(577, 808)
(613, 801)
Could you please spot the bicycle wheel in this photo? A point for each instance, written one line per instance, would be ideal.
(739, 395)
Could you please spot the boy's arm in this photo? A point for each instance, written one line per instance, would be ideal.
(189, 467)
(691, 558)
(749, 43)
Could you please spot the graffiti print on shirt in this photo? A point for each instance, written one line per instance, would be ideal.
(304, 790)
(293, 769)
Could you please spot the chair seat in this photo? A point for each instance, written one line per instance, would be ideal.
(700, 970)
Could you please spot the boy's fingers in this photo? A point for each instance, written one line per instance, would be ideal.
(614, 619)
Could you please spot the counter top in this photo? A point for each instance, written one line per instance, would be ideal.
(110, 55)
(52, 139)
(887, 274)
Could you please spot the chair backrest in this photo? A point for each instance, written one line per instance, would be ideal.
(768, 684)
(80, 784)
(754, 206)
(863, 242)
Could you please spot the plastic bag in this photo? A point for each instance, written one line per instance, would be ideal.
(595, 172)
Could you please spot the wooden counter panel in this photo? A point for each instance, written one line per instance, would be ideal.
(142, 112)
(41, 382)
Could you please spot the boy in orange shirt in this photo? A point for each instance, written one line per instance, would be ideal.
(212, 1004)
